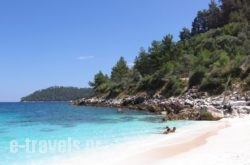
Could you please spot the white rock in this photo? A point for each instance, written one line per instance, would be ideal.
(163, 112)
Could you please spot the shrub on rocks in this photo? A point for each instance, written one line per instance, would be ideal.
(205, 115)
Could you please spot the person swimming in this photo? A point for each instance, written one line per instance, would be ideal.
(168, 130)
(173, 130)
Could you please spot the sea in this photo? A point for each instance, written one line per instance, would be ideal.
(33, 133)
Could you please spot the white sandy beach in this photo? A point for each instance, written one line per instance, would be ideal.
(209, 143)
(230, 146)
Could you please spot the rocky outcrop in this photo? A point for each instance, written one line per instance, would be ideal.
(190, 106)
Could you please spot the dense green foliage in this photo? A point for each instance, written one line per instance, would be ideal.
(216, 48)
(59, 94)
(101, 83)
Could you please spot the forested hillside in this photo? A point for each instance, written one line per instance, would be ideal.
(59, 94)
(212, 56)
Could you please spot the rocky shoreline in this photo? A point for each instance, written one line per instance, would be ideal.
(189, 106)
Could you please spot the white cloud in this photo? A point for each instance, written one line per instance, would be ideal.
(84, 57)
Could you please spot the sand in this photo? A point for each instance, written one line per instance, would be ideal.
(230, 145)
(223, 142)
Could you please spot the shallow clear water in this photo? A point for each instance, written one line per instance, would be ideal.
(61, 121)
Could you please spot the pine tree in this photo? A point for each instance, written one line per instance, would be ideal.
(119, 71)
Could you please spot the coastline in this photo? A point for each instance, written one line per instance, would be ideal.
(179, 143)
(223, 143)
(212, 142)
(189, 106)
(229, 146)
(184, 145)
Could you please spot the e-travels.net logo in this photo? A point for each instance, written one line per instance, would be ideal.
(52, 146)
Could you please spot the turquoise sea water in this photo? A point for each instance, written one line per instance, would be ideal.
(59, 121)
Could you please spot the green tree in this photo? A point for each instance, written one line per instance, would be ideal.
(142, 63)
(161, 52)
(101, 83)
(228, 7)
(119, 71)
(200, 23)
(168, 49)
(235, 10)
(119, 77)
(156, 55)
(214, 16)
(185, 34)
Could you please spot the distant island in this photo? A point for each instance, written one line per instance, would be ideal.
(58, 93)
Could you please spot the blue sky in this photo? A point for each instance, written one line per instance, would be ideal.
(65, 42)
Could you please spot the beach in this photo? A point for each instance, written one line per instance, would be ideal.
(225, 142)
(221, 142)
(230, 145)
